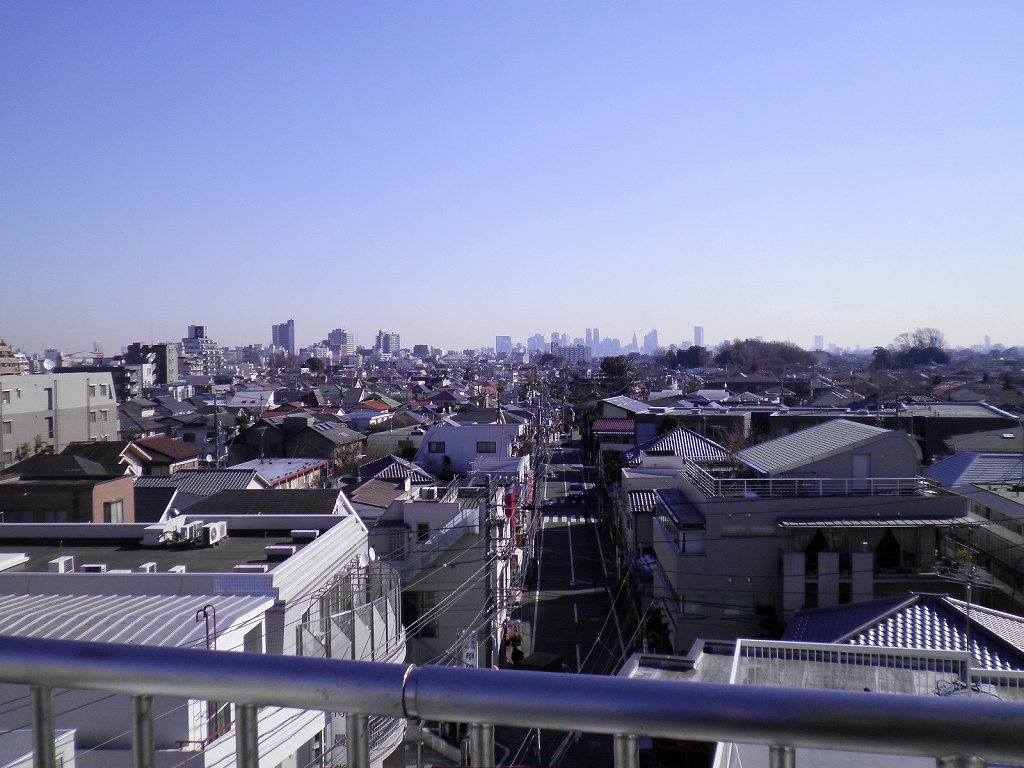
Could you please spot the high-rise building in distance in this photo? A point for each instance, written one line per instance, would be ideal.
(503, 345)
(698, 335)
(283, 336)
(388, 343)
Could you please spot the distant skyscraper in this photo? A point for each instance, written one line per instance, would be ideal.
(650, 342)
(819, 343)
(535, 342)
(698, 335)
(388, 343)
(590, 339)
(283, 336)
(341, 341)
(503, 345)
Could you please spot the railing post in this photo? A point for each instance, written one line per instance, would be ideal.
(357, 736)
(627, 751)
(143, 741)
(781, 756)
(960, 761)
(44, 733)
(247, 736)
(481, 745)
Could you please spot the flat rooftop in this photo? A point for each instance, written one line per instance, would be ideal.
(238, 548)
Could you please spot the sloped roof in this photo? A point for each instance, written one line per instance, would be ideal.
(641, 501)
(628, 404)
(614, 425)
(392, 467)
(175, 450)
(202, 482)
(306, 501)
(1006, 440)
(48, 465)
(377, 493)
(165, 620)
(812, 444)
(977, 468)
(106, 452)
(680, 442)
(933, 622)
(275, 471)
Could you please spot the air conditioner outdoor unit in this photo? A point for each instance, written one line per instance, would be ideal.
(177, 569)
(214, 532)
(192, 531)
(64, 564)
(93, 568)
(148, 567)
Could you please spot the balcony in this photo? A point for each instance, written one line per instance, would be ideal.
(952, 730)
(804, 487)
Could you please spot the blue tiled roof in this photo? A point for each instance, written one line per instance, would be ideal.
(977, 468)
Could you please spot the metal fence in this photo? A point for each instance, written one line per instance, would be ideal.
(966, 730)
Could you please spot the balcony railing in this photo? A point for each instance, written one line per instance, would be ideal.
(798, 487)
(953, 730)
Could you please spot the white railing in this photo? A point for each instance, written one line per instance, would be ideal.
(796, 487)
(962, 729)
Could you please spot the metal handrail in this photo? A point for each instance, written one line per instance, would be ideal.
(885, 724)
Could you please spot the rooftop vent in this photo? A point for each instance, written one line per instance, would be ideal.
(148, 567)
(280, 551)
(177, 569)
(251, 568)
(94, 568)
(304, 534)
(65, 564)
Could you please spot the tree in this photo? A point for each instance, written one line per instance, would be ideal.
(315, 365)
(618, 367)
(881, 358)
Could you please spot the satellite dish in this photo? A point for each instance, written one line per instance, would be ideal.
(48, 364)
(373, 554)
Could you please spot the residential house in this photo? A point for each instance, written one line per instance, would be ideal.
(65, 488)
(828, 515)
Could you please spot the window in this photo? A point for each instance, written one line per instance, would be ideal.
(49, 427)
(693, 605)
(92, 390)
(436, 446)
(691, 541)
(419, 613)
(113, 511)
(8, 428)
(422, 531)
(487, 447)
(103, 390)
(49, 398)
(104, 415)
(737, 605)
(92, 417)
(6, 397)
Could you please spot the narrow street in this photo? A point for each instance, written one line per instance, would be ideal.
(570, 612)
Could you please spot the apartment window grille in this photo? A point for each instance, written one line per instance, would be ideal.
(218, 719)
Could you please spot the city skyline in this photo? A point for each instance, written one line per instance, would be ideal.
(781, 170)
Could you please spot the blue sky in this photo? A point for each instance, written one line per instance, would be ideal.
(457, 170)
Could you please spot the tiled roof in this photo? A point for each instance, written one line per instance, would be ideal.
(377, 493)
(392, 467)
(278, 470)
(932, 622)
(176, 450)
(198, 482)
(308, 501)
(614, 425)
(791, 451)
(977, 468)
(680, 442)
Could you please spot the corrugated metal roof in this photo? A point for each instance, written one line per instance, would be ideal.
(681, 442)
(641, 501)
(977, 468)
(932, 622)
(871, 522)
(817, 442)
(165, 620)
(198, 482)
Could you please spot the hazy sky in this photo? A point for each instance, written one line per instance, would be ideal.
(456, 170)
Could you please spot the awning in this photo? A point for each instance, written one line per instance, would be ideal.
(873, 522)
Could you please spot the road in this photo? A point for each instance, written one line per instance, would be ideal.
(570, 612)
